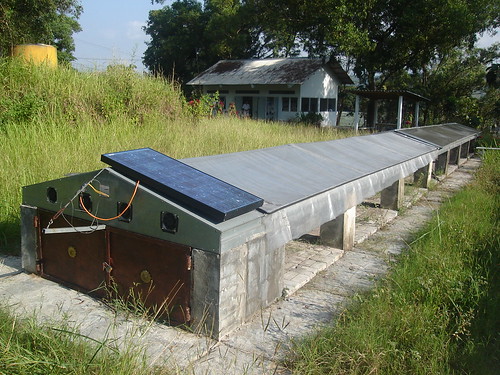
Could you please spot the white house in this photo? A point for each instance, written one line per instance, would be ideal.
(276, 89)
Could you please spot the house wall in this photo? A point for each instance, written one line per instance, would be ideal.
(322, 85)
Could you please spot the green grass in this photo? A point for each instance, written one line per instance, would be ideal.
(59, 121)
(26, 347)
(437, 311)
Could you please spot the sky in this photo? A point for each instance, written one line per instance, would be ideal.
(112, 33)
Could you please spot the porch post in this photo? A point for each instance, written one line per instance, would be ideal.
(356, 114)
(417, 113)
(400, 112)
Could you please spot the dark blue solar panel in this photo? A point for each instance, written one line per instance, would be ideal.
(190, 187)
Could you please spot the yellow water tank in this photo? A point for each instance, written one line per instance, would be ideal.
(36, 53)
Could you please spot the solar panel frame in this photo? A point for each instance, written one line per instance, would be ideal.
(207, 196)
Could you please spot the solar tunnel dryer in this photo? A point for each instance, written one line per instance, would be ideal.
(205, 242)
(161, 211)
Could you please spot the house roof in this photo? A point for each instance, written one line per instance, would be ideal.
(390, 94)
(267, 71)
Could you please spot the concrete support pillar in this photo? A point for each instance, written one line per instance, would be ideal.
(464, 151)
(356, 114)
(454, 156)
(422, 177)
(339, 232)
(442, 163)
(417, 113)
(472, 146)
(400, 112)
(392, 196)
(29, 238)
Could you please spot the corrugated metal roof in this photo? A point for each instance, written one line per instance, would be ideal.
(267, 72)
(445, 136)
(390, 94)
(288, 174)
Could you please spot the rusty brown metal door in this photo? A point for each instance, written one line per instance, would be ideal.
(74, 258)
(157, 272)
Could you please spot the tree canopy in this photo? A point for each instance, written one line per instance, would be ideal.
(382, 37)
(40, 21)
(188, 36)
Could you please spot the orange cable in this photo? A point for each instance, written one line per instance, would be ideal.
(116, 217)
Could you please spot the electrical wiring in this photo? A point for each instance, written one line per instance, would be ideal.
(98, 191)
(117, 216)
(61, 210)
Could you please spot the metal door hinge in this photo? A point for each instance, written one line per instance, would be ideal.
(189, 262)
(36, 221)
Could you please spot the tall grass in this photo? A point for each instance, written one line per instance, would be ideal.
(59, 121)
(437, 311)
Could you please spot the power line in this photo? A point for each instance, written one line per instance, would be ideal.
(106, 59)
(97, 45)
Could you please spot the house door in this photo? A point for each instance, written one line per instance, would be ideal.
(270, 108)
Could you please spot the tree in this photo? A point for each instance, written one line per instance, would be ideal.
(384, 36)
(187, 37)
(457, 85)
(40, 21)
(176, 38)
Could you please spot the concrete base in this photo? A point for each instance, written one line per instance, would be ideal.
(229, 288)
(392, 196)
(339, 233)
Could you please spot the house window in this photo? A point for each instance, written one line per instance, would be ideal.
(289, 104)
(327, 105)
(309, 105)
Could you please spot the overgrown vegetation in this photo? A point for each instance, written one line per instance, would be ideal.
(59, 121)
(437, 311)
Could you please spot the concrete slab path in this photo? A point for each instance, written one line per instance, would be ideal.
(319, 282)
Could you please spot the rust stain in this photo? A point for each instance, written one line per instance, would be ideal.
(226, 66)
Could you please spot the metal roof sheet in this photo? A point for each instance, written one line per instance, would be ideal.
(445, 136)
(267, 71)
(390, 94)
(288, 174)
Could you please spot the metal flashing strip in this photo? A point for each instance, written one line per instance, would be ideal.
(198, 191)
(87, 229)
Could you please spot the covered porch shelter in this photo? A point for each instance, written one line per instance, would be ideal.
(400, 95)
